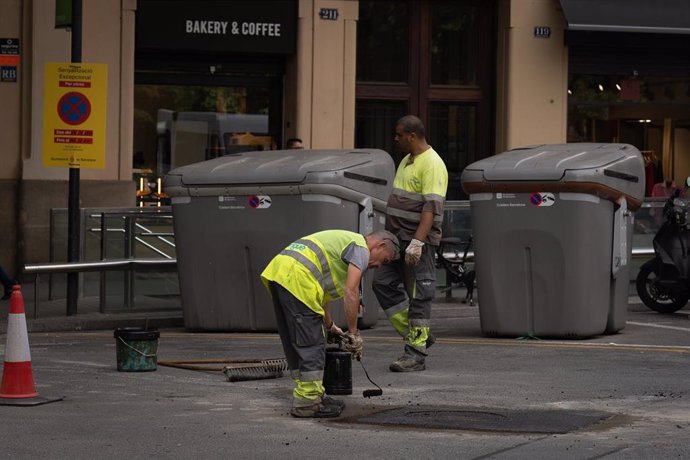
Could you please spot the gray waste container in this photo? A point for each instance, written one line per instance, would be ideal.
(552, 227)
(234, 213)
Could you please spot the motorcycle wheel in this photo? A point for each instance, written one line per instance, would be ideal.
(653, 298)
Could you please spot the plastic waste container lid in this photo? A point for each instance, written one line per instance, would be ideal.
(548, 162)
(274, 166)
(609, 171)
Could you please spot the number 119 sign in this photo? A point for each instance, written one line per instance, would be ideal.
(74, 115)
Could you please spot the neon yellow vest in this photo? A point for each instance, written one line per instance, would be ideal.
(312, 268)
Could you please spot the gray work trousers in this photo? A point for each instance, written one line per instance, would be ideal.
(417, 290)
(301, 333)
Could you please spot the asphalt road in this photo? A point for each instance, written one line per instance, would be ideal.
(638, 379)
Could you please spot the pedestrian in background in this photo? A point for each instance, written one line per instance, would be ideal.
(415, 215)
(302, 279)
(7, 283)
(294, 143)
(667, 189)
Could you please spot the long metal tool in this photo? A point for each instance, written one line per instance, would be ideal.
(370, 393)
(238, 370)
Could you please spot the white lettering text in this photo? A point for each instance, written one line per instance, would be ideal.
(206, 27)
(261, 29)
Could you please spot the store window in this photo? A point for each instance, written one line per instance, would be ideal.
(651, 113)
(181, 122)
(179, 125)
(431, 59)
(633, 88)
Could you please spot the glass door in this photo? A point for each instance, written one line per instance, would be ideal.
(433, 59)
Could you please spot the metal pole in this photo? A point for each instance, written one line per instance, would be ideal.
(73, 198)
(104, 242)
(129, 254)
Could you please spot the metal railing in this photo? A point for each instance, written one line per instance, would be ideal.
(131, 237)
(457, 222)
(126, 240)
(101, 266)
(136, 235)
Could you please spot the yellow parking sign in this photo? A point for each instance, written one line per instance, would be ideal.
(74, 115)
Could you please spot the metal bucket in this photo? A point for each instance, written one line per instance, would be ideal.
(137, 349)
(337, 375)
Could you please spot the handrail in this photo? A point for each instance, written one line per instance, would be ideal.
(122, 230)
(146, 231)
(97, 266)
(162, 212)
(642, 251)
(149, 232)
(453, 255)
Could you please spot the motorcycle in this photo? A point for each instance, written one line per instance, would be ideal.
(454, 261)
(663, 283)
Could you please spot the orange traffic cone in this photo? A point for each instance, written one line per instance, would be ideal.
(17, 377)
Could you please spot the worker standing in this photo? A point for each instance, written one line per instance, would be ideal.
(302, 279)
(414, 215)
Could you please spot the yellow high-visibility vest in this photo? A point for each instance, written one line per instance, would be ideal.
(312, 268)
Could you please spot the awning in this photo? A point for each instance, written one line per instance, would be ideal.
(665, 17)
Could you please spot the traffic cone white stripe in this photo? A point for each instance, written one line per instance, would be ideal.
(17, 377)
(17, 349)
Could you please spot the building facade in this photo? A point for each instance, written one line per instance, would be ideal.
(192, 80)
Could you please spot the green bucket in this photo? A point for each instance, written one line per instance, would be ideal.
(137, 349)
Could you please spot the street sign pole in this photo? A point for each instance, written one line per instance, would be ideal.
(73, 197)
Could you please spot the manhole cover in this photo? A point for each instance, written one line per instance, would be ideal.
(486, 419)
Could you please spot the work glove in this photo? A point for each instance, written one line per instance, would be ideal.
(334, 334)
(413, 252)
(354, 344)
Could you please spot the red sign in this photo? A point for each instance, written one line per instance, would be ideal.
(75, 84)
(6, 59)
(74, 108)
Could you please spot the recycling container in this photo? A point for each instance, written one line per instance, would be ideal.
(552, 228)
(233, 214)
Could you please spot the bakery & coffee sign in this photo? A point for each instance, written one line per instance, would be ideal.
(249, 26)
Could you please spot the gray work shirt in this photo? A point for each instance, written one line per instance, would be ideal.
(357, 256)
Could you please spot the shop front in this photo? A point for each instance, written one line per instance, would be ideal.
(629, 80)
(208, 82)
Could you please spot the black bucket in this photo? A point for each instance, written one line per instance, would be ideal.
(337, 376)
(137, 349)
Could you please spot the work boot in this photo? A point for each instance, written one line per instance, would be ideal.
(407, 363)
(430, 340)
(333, 402)
(318, 410)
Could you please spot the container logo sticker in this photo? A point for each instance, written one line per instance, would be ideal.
(229, 202)
(259, 201)
(542, 199)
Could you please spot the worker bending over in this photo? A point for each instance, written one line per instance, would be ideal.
(302, 279)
